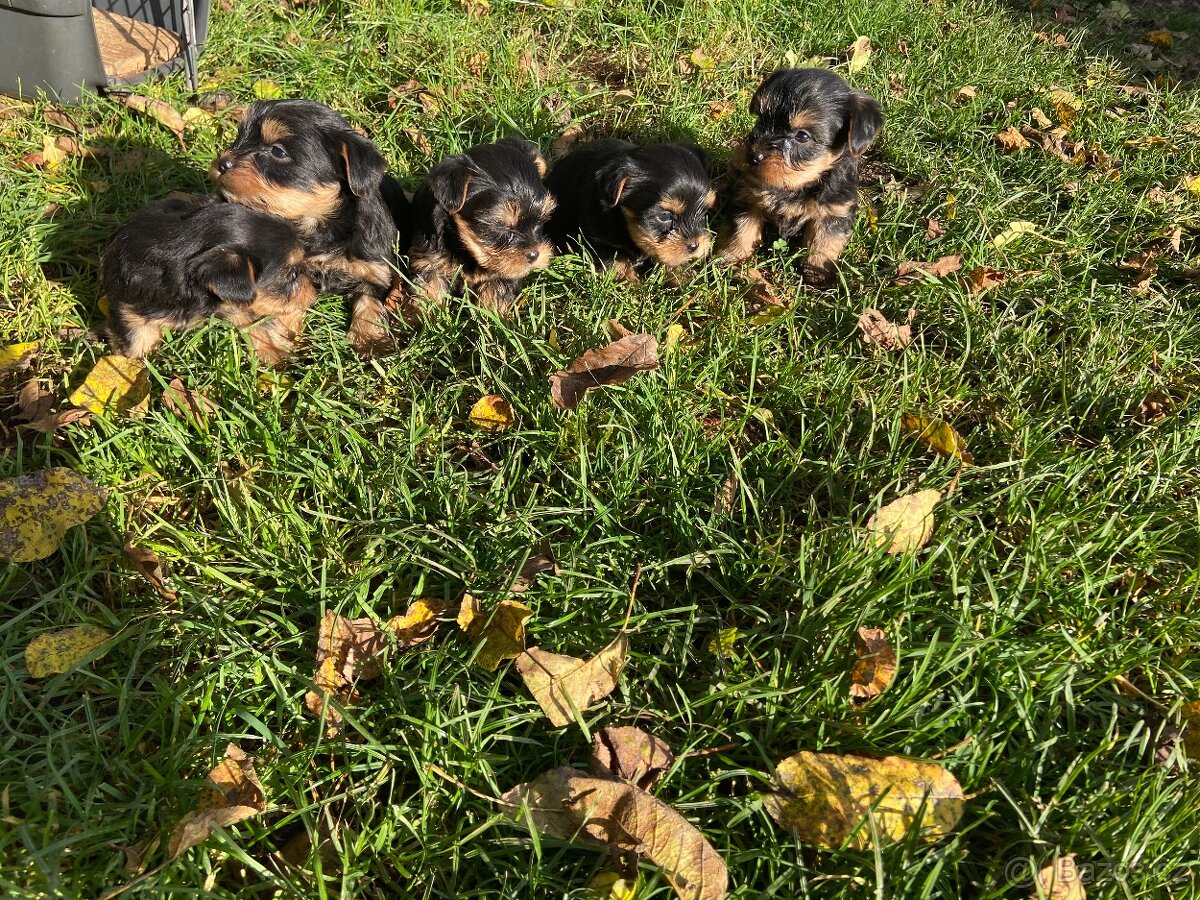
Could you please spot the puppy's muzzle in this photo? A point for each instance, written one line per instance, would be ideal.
(221, 165)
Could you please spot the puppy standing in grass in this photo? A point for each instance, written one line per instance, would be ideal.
(633, 206)
(175, 263)
(302, 161)
(479, 219)
(798, 168)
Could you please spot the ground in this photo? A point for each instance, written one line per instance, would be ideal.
(1045, 634)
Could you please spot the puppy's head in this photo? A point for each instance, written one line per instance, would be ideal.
(665, 195)
(808, 119)
(496, 201)
(299, 160)
(258, 258)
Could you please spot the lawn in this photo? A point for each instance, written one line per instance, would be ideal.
(1047, 634)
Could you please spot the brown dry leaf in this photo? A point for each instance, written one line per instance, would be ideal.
(937, 435)
(163, 113)
(1061, 880)
(895, 84)
(52, 421)
(537, 564)
(1190, 718)
(1154, 408)
(36, 510)
(503, 636)
(565, 686)
(878, 332)
(875, 667)
(492, 413)
(572, 806)
(63, 120)
(61, 651)
(235, 795)
(33, 402)
(911, 270)
(418, 140)
(567, 141)
(984, 278)
(1145, 266)
(860, 54)
(822, 798)
(1040, 119)
(964, 94)
(905, 525)
(726, 497)
(1160, 37)
(719, 109)
(1010, 140)
(147, 564)
(630, 754)
(934, 229)
(116, 384)
(614, 364)
(187, 404)
(476, 8)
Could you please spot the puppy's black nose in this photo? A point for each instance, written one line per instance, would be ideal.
(532, 255)
(756, 156)
(224, 164)
(692, 246)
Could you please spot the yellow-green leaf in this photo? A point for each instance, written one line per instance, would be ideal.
(503, 637)
(722, 643)
(937, 435)
(61, 651)
(36, 510)
(611, 886)
(906, 524)
(265, 89)
(675, 334)
(768, 315)
(116, 384)
(1013, 232)
(14, 356)
(701, 60)
(492, 413)
(860, 54)
(418, 623)
(824, 797)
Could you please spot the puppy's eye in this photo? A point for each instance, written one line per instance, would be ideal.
(803, 137)
(279, 151)
(662, 217)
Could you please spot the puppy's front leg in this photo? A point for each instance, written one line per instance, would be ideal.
(275, 339)
(370, 332)
(132, 335)
(433, 274)
(496, 293)
(826, 237)
(742, 235)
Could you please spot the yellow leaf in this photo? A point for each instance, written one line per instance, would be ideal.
(163, 113)
(418, 623)
(860, 54)
(723, 643)
(116, 384)
(195, 117)
(823, 797)
(36, 510)
(701, 60)
(1192, 184)
(1061, 880)
(503, 637)
(476, 8)
(1160, 37)
(937, 435)
(565, 686)
(1013, 232)
(234, 794)
(1010, 140)
(492, 413)
(675, 334)
(61, 651)
(768, 315)
(1190, 714)
(905, 525)
(470, 616)
(964, 94)
(875, 667)
(14, 356)
(1149, 142)
(951, 207)
(52, 154)
(265, 89)
(611, 886)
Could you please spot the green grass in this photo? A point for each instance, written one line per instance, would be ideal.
(1065, 562)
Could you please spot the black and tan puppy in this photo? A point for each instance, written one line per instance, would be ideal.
(176, 263)
(302, 161)
(479, 220)
(633, 206)
(798, 168)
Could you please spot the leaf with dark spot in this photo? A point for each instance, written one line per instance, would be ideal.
(630, 754)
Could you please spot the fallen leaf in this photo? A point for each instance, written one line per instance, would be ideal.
(933, 229)
(265, 89)
(18, 356)
(614, 364)
(951, 207)
(503, 636)
(724, 642)
(701, 61)
(1190, 717)
(630, 754)
(964, 94)
(52, 421)
(470, 616)
(616, 330)
(878, 331)
(675, 334)
(33, 402)
(726, 496)
(1013, 232)
(1191, 183)
(572, 806)
(476, 8)
(492, 413)
(37, 509)
(1148, 142)
(822, 798)
(195, 117)
(911, 270)
(1010, 140)
(188, 404)
(1040, 119)
(1160, 37)
(860, 54)
(61, 651)
(612, 886)
(895, 84)
(147, 564)
(719, 109)
(905, 525)
(115, 384)
(1145, 266)
(235, 794)
(565, 686)
(215, 101)
(163, 113)
(567, 141)
(63, 120)
(537, 564)
(875, 667)
(418, 140)
(985, 278)
(1061, 880)
(418, 623)
(938, 436)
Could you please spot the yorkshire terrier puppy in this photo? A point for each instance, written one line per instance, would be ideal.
(633, 206)
(176, 263)
(302, 161)
(797, 170)
(479, 219)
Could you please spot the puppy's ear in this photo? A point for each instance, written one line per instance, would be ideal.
(614, 180)
(864, 118)
(226, 272)
(535, 154)
(764, 89)
(363, 162)
(451, 182)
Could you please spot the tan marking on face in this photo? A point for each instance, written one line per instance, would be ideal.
(775, 173)
(670, 251)
(674, 205)
(505, 263)
(710, 199)
(508, 214)
(143, 336)
(803, 119)
(273, 131)
(244, 184)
